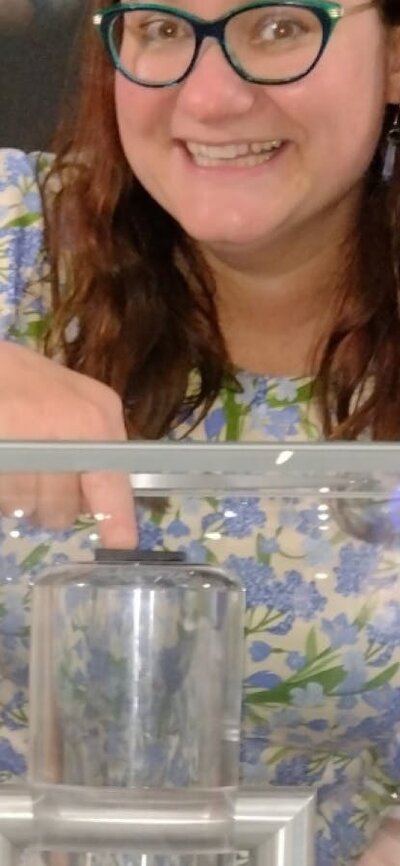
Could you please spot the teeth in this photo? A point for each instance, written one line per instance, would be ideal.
(258, 147)
(241, 162)
(231, 151)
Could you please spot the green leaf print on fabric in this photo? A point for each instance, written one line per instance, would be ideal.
(282, 694)
(311, 645)
(24, 221)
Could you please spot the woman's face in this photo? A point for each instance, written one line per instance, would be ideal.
(329, 121)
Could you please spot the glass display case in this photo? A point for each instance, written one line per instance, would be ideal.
(260, 603)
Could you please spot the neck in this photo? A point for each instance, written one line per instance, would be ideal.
(276, 304)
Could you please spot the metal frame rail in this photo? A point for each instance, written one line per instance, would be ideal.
(276, 825)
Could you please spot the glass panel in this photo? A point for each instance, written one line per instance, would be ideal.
(313, 536)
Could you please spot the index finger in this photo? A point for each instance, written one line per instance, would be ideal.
(109, 495)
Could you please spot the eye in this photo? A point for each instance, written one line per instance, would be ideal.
(280, 29)
(162, 30)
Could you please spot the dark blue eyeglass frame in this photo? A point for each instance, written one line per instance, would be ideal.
(328, 13)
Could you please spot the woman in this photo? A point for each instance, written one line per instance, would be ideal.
(220, 261)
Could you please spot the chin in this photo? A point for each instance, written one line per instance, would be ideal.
(234, 225)
(243, 235)
(230, 243)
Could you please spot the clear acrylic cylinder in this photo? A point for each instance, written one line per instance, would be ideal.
(135, 686)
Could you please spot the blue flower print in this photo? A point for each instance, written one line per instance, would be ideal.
(384, 628)
(318, 551)
(177, 528)
(385, 698)
(13, 622)
(253, 575)
(318, 725)
(258, 417)
(392, 760)
(267, 546)
(59, 559)
(286, 390)
(241, 516)
(18, 171)
(261, 390)
(357, 565)
(11, 762)
(13, 713)
(383, 658)
(282, 423)
(370, 730)
(295, 771)
(20, 675)
(237, 517)
(354, 663)
(259, 651)
(150, 536)
(251, 749)
(346, 702)
(286, 718)
(262, 680)
(9, 569)
(308, 523)
(348, 835)
(32, 245)
(312, 695)
(214, 424)
(39, 535)
(172, 667)
(196, 552)
(295, 661)
(326, 850)
(99, 665)
(294, 594)
(210, 521)
(283, 627)
(288, 516)
(339, 631)
(253, 390)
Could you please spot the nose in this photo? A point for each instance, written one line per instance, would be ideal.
(213, 90)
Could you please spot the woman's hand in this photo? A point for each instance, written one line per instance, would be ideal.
(40, 399)
(385, 847)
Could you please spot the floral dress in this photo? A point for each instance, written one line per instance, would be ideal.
(321, 689)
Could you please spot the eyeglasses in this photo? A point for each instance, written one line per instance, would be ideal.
(265, 42)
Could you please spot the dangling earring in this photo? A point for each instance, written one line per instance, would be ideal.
(392, 146)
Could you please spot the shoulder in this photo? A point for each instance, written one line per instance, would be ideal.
(21, 239)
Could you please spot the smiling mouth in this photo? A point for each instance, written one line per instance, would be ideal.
(241, 155)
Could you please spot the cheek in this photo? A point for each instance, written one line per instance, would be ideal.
(138, 110)
(340, 105)
(131, 115)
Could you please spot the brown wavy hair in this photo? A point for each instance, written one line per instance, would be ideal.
(145, 300)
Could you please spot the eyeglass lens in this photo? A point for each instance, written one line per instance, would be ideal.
(270, 43)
